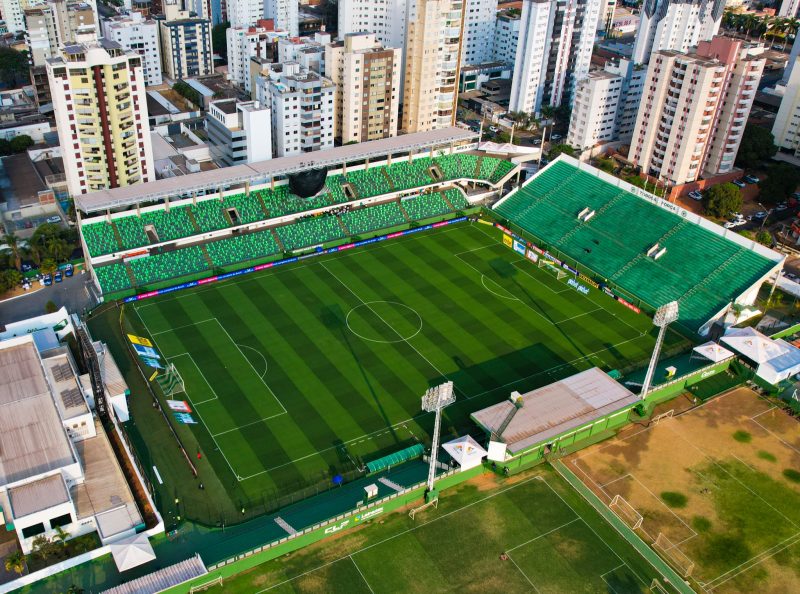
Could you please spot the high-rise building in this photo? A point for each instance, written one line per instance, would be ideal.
(257, 41)
(694, 109)
(506, 38)
(100, 106)
(385, 18)
(309, 52)
(480, 17)
(789, 9)
(786, 128)
(134, 32)
(185, 43)
(432, 63)
(13, 12)
(302, 110)
(792, 61)
(56, 22)
(238, 132)
(553, 53)
(245, 13)
(366, 98)
(675, 25)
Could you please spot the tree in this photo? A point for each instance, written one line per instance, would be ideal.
(781, 181)
(188, 92)
(42, 547)
(13, 249)
(48, 266)
(58, 249)
(15, 562)
(757, 146)
(9, 279)
(219, 40)
(14, 67)
(721, 200)
(73, 589)
(605, 164)
(557, 149)
(61, 535)
(330, 15)
(764, 237)
(50, 307)
(21, 143)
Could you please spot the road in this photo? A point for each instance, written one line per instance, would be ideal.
(76, 293)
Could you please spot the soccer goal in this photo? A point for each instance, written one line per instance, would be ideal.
(656, 586)
(626, 512)
(673, 554)
(206, 585)
(557, 270)
(170, 380)
(666, 415)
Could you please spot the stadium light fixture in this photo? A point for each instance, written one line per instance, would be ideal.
(434, 400)
(665, 315)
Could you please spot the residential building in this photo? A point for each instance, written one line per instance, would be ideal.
(789, 9)
(605, 105)
(309, 52)
(302, 110)
(506, 38)
(13, 12)
(385, 18)
(239, 132)
(98, 92)
(432, 63)
(185, 43)
(554, 50)
(480, 17)
(367, 93)
(244, 13)
(55, 22)
(675, 25)
(786, 128)
(134, 32)
(607, 9)
(694, 109)
(257, 41)
(792, 61)
(285, 14)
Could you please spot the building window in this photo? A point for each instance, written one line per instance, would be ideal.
(64, 520)
(34, 530)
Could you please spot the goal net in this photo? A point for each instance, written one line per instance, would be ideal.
(551, 267)
(206, 585)
(170, 380)
(626, 512)
(674, 555)
(666, 415)
(656, 586)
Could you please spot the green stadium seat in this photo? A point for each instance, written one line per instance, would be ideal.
(112, 277)
(247, 207)
(373, 218)
(208, 215)
(241, 248)
(100, 238)
(131, 232)
(171, 225)
(424, 206)
(311, 231)
(167, 265)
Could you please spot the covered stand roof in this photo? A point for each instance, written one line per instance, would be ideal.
(132, 552)
(465, 450)
(713, 351)
(776, 359)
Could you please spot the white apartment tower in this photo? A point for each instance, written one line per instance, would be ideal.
(385, 18)
(554, 51)
(100, 106)
(787, 123)
(367, 92)
(675, 25)
(433, 56)
(302, 110)
(506, 38)
(245, 43)
(134, 32)
(694, 110)
(480, 17)
(53, 23)
(245, 13)
(239, 132)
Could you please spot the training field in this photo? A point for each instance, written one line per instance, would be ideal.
(531, 536)
(308, 369)
(720, 482)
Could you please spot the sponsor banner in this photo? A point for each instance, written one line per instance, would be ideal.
(519, 247)
(537, 249)
(508, 241)
(136, 255)
(552, 258)
(368, 514)
(532, 256)
(185, 418)
(627, 304)
(320, 252)
(577, 286)
(336, 527)
(485, 222)
(154, 363)
(504, 230)
(179, 406)
(139, 340)
(587, 280)
(566, 266)
(144, 351)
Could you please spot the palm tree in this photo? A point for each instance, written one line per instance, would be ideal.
(15, 562)
(792, 25)
(13, 248)
(73, 589)
(34, 251)
(61, 536)
(48, 266)
(58, 249)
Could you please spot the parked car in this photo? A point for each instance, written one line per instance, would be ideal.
(69, 270)
(494, 129)
(781, 206)
(761, 214)
(740, 183)
(556, 137)
(48, 280)
(58, 276)
(751, 179)
(537, 141)
(695, 195)
(792, 277)
(733, 224)
(27, 268)
(54, 219)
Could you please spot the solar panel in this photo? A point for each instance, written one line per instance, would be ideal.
(71, 397)
(62, 372)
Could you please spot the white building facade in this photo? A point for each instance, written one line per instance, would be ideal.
(506, 39)
(480, 17)
(136, 33)
(787, 123)
(239, 132)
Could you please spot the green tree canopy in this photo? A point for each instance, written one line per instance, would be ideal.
(722, 199)
(781, 181)
(14, 67)
(757, 146)
(219, 42)
(21, 143)
(557, 149)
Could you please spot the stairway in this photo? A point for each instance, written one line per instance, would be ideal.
(263, 206)
(117, 236)
(446, 201)
(129, 272)
(277, 239)
(403, 210)
(388, 178)
(206, 256)
(192, 219)
(345, 230)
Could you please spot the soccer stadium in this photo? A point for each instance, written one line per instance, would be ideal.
(287, 316)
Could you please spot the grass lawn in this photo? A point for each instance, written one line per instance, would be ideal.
(552, 541)
(308, 370)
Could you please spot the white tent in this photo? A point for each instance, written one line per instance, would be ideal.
(713, 352)
(132, 551)
(775, 360)
(466, 451)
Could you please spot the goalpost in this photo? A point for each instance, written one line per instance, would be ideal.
(626, 512)
(667, 549)
(666, 415)
(217, 581)
(170, 380)
(550, 266)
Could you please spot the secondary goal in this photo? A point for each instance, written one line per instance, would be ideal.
(666, 415)
(551, 267)
(170, 380)
(673, 554)
(626, 512)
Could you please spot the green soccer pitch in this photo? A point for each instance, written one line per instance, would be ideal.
(313, 368)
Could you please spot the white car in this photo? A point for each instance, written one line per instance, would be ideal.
(54, 219)
(695, 195)
(733, 224)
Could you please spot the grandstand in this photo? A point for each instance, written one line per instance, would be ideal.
(635, 242)
(181, 237)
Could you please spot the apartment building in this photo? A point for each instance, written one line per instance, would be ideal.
(433, 61)
(309, 52)
(694, 109)
(675, 25)
(385, 18)
(554, 51)
(257, 41)
(506, 38)
(185, 43)
(140, 34)
(367, 93)
(98, 92)
(302, 109)
(239, 132)
(786, 128)
(246, 13)
(480, 17)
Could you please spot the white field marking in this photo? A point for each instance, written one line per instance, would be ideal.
(173, 329)
(603, 576)
(633, 476)
(210, 387)
(525, 575)
(358, 569)
(752, 562)
(743, 462)
(778, 437)
(535, 538)
(260, 354)
(624, 476)
(477, 249)
(401, 339)
(493, 292)
(763, 412)
(516, 264)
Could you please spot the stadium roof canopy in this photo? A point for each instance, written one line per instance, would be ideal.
(649, 248)
(776, 360)
(257, 172)
(555, 409)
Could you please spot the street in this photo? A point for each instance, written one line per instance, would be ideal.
(76, 293)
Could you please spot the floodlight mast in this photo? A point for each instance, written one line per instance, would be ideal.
(434, 400)
(665, 315)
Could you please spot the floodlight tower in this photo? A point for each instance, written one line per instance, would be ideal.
(434, 400)
(665, 315)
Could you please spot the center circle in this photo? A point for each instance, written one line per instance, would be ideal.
(384, 321)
